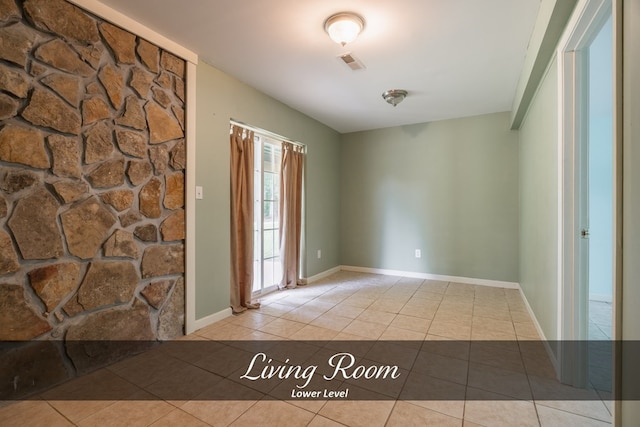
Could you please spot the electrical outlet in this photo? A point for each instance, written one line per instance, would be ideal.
(418, 253)
(319, 253)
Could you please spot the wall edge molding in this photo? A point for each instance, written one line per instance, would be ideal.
(190, 200)
(323, 274)
(118, 18)
(549, 27)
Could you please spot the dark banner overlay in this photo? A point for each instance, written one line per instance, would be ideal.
(311, 370)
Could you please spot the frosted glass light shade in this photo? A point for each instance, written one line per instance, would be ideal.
(344, 27)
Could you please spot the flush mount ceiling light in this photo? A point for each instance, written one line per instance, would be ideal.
(344, 27)
(394, 96)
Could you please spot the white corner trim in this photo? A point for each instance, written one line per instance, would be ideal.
(190, 200)
(212, 318)
(117, 18)
(428, 276)
(129, 24)
(324, 274)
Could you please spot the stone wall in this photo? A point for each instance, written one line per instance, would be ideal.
(92, 159)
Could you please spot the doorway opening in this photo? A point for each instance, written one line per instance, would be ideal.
(600, 204)
(588, 205)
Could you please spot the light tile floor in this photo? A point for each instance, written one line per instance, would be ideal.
(600, 320)
(600, 357)
(345, 306)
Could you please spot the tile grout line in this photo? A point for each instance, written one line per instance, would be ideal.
(352, 291)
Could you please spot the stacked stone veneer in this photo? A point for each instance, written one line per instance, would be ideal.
(92, 159)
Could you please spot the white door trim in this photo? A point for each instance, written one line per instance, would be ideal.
(120, 19)
(112, 15)
(580, 31)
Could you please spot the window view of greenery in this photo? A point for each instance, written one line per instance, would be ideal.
(267, 268)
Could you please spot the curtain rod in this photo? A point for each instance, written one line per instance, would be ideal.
(266, 133)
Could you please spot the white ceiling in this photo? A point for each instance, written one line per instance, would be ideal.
(456, 58)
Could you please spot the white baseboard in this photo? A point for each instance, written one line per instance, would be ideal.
(600, 298)
(215, 317)
(208, 320)
(429, 276)
(552, 356)
(324, 274)
(471, 281)
(212, 318)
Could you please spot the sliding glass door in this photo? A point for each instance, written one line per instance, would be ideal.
(267, 271)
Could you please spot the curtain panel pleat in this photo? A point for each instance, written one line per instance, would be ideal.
(241, 219)
(291, 213)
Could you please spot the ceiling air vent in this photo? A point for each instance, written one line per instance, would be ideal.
(352, 62)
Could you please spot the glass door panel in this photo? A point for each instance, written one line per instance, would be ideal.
(267, 268)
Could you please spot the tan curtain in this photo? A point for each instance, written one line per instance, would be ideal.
(290, 213)
(241, 219)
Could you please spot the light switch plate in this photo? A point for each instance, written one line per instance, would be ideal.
(199, 193)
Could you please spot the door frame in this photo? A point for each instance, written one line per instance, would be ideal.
(583, 26)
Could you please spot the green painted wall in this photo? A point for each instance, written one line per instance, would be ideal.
(449, 188)
(219, 98)
(539, 203)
